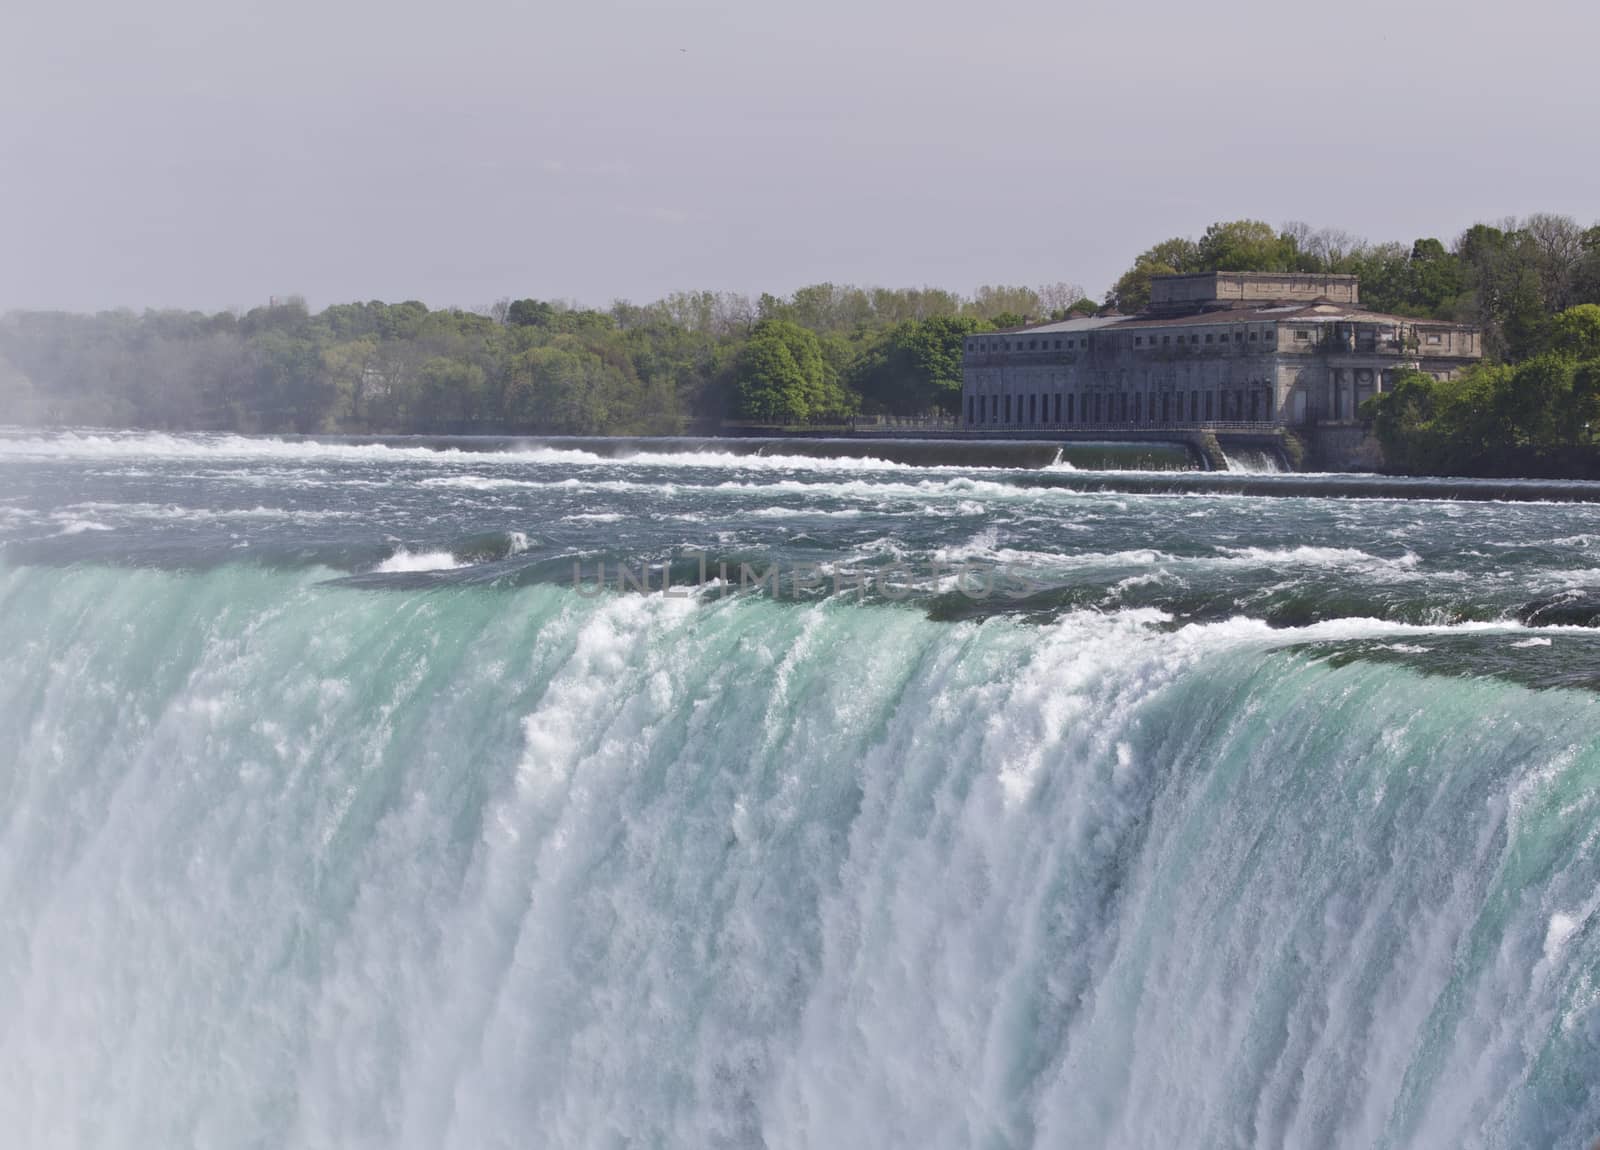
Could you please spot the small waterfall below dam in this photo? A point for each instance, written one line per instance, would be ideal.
(1252, 461)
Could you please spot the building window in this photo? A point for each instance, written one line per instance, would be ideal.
(1301, 335)
(1058, 407)
(1033, 409)
(1058, 345)
(1252, 336)
(969, 407)
(1008, 409)
(1433, 337)
(1166, 339)
(1138, 341)
(1210, 338)
(1270, 335)
(1033, 344)
(1069, 409)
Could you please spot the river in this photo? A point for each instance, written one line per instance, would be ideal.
(400, 795)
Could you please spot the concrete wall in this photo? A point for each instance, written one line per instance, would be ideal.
(1251, 287)
(1342, 449)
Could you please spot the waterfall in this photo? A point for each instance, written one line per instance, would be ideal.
(296, 864)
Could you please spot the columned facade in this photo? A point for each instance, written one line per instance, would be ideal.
(1195, 359)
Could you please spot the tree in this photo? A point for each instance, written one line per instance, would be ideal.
(782, 376)
(1131, 293)
(1533, 400)
(1056, 299)
(1584, 413)
(349, 368)
(1586, 282)
(530, 313)
(1557, 243)
(994, 301)
(449, 393)
(917, 367)
(1575, 333)
(1244, 246)
(1501, 273)
(1177, 256)
(291, 392)
(566, 388)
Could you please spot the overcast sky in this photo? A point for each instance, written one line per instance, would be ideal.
(207, 153)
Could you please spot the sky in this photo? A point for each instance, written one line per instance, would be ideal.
(212, 154)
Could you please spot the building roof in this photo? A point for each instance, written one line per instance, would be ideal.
(1083, 323)
(1315, 312)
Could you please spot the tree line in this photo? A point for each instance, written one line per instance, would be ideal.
(522, 366)
(694, 359)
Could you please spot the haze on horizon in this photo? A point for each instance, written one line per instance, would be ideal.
(189, 154)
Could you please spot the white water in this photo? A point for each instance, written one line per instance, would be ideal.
(408, 561)
(1251, 462)
(238, 448)
(302, 866)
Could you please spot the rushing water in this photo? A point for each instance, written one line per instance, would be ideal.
(334, 814)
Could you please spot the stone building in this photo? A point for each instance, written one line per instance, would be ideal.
(1257, 347)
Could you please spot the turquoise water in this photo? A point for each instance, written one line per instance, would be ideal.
(333, 815)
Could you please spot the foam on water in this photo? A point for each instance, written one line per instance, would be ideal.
(403, 561)
(159, 446)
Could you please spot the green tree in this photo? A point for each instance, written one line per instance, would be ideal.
(917, 367)
(995, 302)
(349, 367)
(291, 393)
(783, 377)
(530, 313)
(1584, 412)
(449, 394)
(1245, 246)
(1177, 256)
(1575, 333)
(1502, 277)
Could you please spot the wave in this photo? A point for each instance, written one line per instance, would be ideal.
(409, 562)
(72, 526)
(983, 547)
